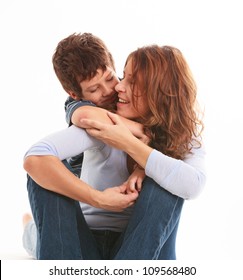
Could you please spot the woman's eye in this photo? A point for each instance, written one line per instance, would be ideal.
(130, 81)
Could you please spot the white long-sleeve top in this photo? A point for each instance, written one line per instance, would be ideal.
(104, 167)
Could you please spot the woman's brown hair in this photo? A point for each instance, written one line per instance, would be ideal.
(163, 77)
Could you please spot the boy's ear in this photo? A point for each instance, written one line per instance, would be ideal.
(73, 95)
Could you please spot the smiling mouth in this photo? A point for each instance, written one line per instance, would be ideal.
(120, 100)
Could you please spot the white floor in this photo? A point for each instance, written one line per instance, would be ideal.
(11, 232)
(15, 255)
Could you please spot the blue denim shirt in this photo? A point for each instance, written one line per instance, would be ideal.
(71, 105)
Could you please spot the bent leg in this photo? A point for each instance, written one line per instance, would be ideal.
(62, 232)
(155, 217)
(168, 250)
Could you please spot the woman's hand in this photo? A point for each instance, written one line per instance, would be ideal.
(119, 136)
(116, 134)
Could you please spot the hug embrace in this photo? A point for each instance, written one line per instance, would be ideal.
(112, 184)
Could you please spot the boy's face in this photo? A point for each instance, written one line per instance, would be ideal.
(101, 88)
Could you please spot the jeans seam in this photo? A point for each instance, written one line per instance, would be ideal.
(134, 232)
(165, 229)
(59, 227)
(37, 222)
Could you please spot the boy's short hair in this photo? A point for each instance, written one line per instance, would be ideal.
(77, 58)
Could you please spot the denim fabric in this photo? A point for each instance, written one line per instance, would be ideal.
(152, 228)
(106, 241)
(62, 232)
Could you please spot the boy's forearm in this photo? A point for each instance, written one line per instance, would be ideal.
(89, 112)
(100, 114)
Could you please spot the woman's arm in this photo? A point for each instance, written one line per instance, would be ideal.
(182, 178)
(50, 173)
(43, 163)
(64, 143)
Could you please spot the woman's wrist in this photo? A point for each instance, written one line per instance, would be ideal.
(138, 151)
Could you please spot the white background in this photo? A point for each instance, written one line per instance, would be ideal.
(209, 33)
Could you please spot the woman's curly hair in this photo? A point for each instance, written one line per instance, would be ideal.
(163, 77)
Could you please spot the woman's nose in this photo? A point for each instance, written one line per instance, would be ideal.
(120, 87)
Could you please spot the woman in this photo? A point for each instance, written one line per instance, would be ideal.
(158, 90)
(175, 160)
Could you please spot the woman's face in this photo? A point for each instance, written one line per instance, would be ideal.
(125, 106)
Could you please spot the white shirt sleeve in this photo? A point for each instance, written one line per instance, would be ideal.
(185, 178)
(65, 143)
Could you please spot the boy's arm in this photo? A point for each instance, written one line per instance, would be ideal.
(71, 105)
(77, 110)
(100, 114)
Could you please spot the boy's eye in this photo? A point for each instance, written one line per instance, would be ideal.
(93, 90)
(110, 79)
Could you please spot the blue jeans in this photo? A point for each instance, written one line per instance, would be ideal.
(62, 232)
(152, 228)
